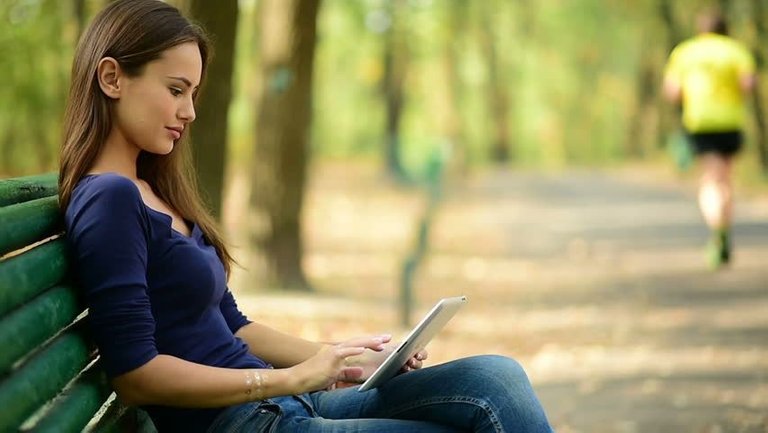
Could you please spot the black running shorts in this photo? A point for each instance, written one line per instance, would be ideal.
(721, 143)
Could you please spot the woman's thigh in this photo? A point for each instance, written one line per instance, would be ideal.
(298, 417)
(482, 393)
(254, 417)
(368, 425)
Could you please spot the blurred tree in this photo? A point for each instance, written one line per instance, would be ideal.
(182, 5)
(496, 91)
(282, 139)
(652, 119)
(209, 132)
(454, 123)
(36, 42)
(585, 77)
(80, 15)
(395, 70)
(759, 44)
(349, 116)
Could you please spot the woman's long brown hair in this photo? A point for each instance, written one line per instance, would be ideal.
(133, 32)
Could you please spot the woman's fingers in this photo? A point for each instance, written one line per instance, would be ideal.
(350, 374)
(375, 342)
(346, 352)
(422, 355)
(414, 363)
(330, 364)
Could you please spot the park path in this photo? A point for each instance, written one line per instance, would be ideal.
(595, 282)
(598, 283)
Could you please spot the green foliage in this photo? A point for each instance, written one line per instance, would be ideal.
(349, 111)
(568, 67)
(36, 45)
(570, 70)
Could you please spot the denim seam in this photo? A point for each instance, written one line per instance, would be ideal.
(308, 403)
(239, 423)
(482, 404)
(278, 415)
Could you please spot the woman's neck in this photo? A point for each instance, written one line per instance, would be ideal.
(117, 156)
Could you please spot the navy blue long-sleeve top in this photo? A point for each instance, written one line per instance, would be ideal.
(151, 290)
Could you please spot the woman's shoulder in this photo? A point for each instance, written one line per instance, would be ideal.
(105, 193)
(108, 185)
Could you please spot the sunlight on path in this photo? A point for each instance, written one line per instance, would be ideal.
(594, 281)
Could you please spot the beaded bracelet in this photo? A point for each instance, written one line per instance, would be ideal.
(254, 383)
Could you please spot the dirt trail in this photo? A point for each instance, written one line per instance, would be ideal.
(595, 282)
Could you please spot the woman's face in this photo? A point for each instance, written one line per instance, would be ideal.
(155, 107)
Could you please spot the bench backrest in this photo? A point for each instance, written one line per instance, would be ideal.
(50, 380)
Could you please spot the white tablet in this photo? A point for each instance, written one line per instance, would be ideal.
(416, 340)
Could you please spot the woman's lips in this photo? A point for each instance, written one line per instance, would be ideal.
(176, 133)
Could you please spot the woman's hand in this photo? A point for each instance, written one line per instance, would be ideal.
(415, 362)
(330, 365)
(370, 361)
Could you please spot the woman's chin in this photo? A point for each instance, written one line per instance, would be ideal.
(161, 149)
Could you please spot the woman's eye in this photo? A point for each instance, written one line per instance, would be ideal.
(175, 91)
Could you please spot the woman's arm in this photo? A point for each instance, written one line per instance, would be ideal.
(170, 381)
(275, 347)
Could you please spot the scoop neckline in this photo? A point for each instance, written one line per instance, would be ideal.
(169, 222)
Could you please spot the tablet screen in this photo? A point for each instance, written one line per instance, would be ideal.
(416, 340)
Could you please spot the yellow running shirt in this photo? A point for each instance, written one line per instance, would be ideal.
(708, 69)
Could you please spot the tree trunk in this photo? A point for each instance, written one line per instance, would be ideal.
(653, 118)
(395, 68)
(209, 131)
(758, 15)
(453, 124)
(80, 16)
(497, 97)
(642, 117)
(281, 152)
(669, 116)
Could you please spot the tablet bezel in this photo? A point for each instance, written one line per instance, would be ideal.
(416, 340)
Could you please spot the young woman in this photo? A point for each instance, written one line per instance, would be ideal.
(154, 271)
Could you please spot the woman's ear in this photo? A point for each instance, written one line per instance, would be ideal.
(109, 75)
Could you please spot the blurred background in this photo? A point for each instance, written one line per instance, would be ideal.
(367, 157)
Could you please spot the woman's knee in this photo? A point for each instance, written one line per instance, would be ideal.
(502, 384)
(490, 369)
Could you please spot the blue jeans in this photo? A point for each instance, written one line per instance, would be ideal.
(477, 394)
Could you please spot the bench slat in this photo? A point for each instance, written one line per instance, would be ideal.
(24, 276)
(41, 378)
(25, 223)
(21, 189)
(31, 325)
(120, 419)
(115, 419)
(144, 422)
(35, 304)
(74, 408)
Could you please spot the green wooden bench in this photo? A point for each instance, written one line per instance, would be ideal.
(50, 379)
